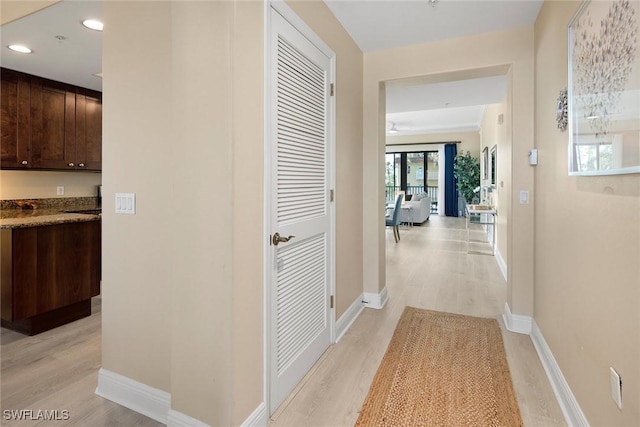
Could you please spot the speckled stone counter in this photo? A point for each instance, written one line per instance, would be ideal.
(39, 212)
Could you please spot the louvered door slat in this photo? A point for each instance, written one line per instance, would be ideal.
(301, 119)
(312, 144)
(300, 314)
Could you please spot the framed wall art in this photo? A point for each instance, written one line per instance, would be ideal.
(604, 88)
(485, 163)
(494, 166)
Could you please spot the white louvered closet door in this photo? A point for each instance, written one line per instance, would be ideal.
(300, 312)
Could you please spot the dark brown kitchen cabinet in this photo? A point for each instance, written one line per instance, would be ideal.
(49, 125)
(89, 130)
(15, 117)
(49, 274)
(53, 134)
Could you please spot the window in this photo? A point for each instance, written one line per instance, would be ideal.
(412, 172)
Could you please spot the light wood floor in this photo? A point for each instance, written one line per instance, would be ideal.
(58, 370)
(429, 268)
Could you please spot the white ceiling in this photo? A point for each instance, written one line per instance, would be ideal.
(73, 60)
(455, 106)
(386, 24)
(417, 108)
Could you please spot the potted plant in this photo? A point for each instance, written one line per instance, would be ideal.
(466, 169)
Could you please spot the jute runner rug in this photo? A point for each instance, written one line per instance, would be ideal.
(442, 369)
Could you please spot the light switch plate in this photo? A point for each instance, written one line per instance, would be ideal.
(60, 190)
(524, 197)
(616, 387)
(126, 203)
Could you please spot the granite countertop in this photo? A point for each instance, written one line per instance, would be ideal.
(39, 212)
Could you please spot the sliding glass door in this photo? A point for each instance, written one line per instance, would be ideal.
(412, 172)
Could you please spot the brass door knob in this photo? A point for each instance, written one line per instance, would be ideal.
(277, 238)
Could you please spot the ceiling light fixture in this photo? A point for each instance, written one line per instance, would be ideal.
(393, 128)
(19, 48)
(433, 2)
(93, 24)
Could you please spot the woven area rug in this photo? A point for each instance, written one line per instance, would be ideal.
(442, 369)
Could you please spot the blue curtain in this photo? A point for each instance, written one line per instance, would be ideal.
(450, 190)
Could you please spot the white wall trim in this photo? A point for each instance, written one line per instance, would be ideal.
(501, 264)
(178, 419)
(149, 401)
(571, 410)
(290, 15)
(372, 300)
(516, 322)
(258, 417)
(348, 317)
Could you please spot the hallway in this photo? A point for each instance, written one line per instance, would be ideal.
(429, 269)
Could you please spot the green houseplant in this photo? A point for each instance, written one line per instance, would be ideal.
(466, 169)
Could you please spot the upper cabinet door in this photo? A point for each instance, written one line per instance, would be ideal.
(53, 119)
(15, 120)
(89, 130)
(49, 125)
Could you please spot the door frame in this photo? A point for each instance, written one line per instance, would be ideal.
(288, 14)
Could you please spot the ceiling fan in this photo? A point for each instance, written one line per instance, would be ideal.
(393, 129)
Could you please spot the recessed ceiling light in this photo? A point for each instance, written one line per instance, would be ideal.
(93, 24)
(19, 48)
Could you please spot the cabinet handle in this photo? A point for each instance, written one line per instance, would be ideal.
(71, 165)
(81, 165)
(24, 162)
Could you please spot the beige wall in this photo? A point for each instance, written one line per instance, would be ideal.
(183, 298)
(11, 10)
(510, 50)
(349, 62)
(169, 292)
(497, 134)
(249, 234)
(42, 184)
(137, 249)
(587, 274)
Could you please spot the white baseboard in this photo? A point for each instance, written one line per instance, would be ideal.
(149, 401)
(571, 410)
(573, 415)
(516, 322)
(178, 419)
(348, 317)
(501, 264)
(372, 300)
(258, 417)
